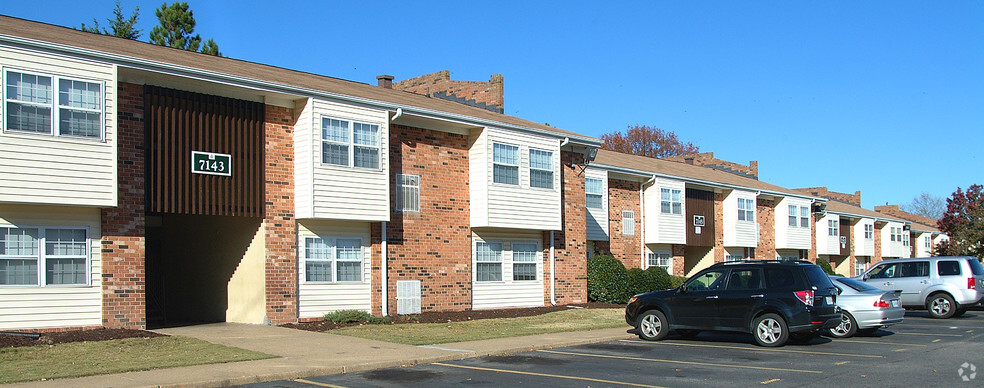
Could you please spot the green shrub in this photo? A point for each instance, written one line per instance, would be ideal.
(652, 279)
(348, 316)
(677, 281)
(607, 280)
(825, 265)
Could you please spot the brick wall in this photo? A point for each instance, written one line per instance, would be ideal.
(679, 260)
(719, 227)
(823, 192)
(707, 159)
(624, 196)
(486, 95)
(433, 245)
(123, 227)
(571, 241)
(766, 216)
(895, 211)
(878, 244)
(278, 219)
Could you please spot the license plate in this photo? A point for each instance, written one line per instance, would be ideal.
(895, 303)
(828, 300)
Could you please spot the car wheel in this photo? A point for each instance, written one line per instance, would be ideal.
(959, 312)
(653, 326)
(941, 306)
(847, 327)
(868, 331)
(770, 330)
(688, 333)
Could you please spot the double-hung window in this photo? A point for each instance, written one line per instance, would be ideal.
(488, 261)
(330, 260)
(349, 144)
(33, 105)
(593, 192)
(746, 209)
(728, 257)
(407, 193)
(505, 164)
(804, 216)
(541, 169)
(524, 256)
(869, 231)
(929, 242)
(659, 259)
(905, 239)
(62, 253)
(671, 201)
(833, 227)
(793, 215)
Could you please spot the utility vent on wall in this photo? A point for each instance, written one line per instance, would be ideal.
(408, 297)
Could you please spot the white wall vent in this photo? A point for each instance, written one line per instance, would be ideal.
(408, 297)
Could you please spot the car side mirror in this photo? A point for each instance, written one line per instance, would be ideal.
(683, 289)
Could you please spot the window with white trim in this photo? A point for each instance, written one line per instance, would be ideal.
(349, 144)
(746, 209)
(793, 215)
(804, 216)
(659, 259)
(628, 223)
(929, 242)
(64, 258)
(833, 227)
(32, 106)
(905, 239)
(869, 231)
(671, 201)
(728, 257)
(488, 261)
(505, 164)
(860, 266)
(594, 189)
(333, 259)
(524, 257)
(541, 169)
(407, 193)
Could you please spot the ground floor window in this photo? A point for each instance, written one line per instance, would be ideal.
(738, 254)
(332, 259)
(44, 256)
(493, 258)
(659, 259)
(861, 265)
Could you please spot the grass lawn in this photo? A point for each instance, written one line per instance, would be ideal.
(79, 359)
(439, 333)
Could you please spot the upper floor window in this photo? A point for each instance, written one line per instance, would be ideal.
(929, 242)
(63, 260)
(541, 169)
(891, 233)
(833, 227)
(33, 106)
(746, 209)
(905, 239)
(671, 201)
(407, 193)
(505, 164)
(333, 259)
(869, 231)
(350, 144)
(793, 215)
(804, 216)
(593, 192)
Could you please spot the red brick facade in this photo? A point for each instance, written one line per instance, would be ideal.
(571, 247)
(823, 192)
(624, 196)
(708, 160)
(487, 95)
(765, 213)
(278, 221)
(123, 227)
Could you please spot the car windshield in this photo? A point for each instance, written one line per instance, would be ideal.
(856, 285)
(975, 266)
(817, 277)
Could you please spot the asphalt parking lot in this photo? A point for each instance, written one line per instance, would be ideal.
(919, 352)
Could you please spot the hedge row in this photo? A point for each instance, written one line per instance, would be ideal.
(610, 282)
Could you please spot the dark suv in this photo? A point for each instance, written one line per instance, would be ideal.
(770, 299)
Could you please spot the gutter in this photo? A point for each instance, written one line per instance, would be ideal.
(234, 80)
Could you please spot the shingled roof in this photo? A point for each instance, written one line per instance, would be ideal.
(135, 52)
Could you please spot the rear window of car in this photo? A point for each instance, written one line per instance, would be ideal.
(915, 269)
(817, 277)
(948, 268)
(856, 285)
(975, 266)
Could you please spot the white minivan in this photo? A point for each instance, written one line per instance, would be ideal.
(945, 285)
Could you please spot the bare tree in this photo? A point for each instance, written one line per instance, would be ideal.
(926, 205)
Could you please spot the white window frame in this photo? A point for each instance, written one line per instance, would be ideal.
(333, 258)
(549, 168)
(929, 242)
(793, 216)
(42, 256)
(804, 216)
(860, 266)
(628, 223)
(407, 189)
(746, 210)
(671, 200)
(662, 259)
(506, 163)
(590, 194)
(534, 260)
(55, 105)
(905, 239)
(869, 231)
(350, 143)
(729, 257)
(495, 259)
(833, 228)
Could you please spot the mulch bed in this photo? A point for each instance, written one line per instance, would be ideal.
(9, 341)
(455, 316)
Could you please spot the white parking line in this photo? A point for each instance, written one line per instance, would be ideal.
(753, 349)
(681, 362)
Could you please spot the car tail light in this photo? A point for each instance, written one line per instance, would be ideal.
(881, 303)
(971, 283)
(805, 296)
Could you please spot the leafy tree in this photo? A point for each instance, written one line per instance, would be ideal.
(926, 205)
(177, 24)
(119, 26)
(963, 222)
(647, 141)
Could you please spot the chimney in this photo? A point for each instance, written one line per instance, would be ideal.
(689, 159)
(385, 81)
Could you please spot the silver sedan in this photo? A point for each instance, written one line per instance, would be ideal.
(865, 308)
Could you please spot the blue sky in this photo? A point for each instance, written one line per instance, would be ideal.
(886, 97)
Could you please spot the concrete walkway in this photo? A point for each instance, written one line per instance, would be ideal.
(305, 354)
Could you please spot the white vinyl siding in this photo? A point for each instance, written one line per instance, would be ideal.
(337, 274)
(55, 305)
(892, 243)
(70, 157)
(407, 193)
(792, 223)
(740, 225)
(516, 260)
(496, 201)
(828, 244)
(596, 191)
(340, 172)
(923, 244)
(665, 228)
(864, 243)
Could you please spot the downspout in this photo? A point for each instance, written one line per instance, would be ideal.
(553, 276)
(642, 223)
(399, 112)
(385, 304)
